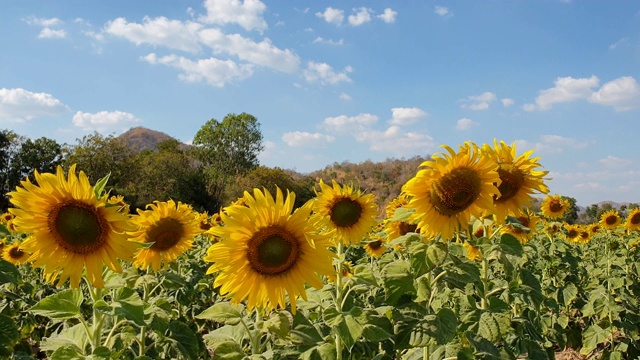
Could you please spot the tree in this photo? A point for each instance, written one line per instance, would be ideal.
(227, 149)
(571, 215)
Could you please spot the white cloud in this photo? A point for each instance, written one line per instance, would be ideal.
(267, 152)
(506, 102)
(396, 142)
(388, 16)
(173, 34)
(332, 16)
(566, 89)
(19, 105)
(479, 102)
(406, 116)
(552, 144)
(247, 13)
(361, 16)
(349, 124)
(212, 71)
(263, 53)
(48, 33)
(321, 40)
(104, 120)
(465, 124)
(442, 11)
(306, 139)
(345, 97)
(618, 43)
(614, 162)
(324, 73)
(622, 93)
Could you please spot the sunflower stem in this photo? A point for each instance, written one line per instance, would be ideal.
(485, 284)
(339, 295)
(143, 329)
(95, 336)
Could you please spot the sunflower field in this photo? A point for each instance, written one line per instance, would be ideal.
(458, 266)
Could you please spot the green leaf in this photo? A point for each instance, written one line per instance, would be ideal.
(303, 331)
(9, 273)
(128, 304)
(279, 323)
(67, 353)
(493, 326)
(74, 336)
(223, 313)
(325, 351)
(592, 337)
(4, 230)
(223, 347)
(460, 274)
(436, 254)
(98, 188)
(362, 274)
(397, 282)
(9, 333)
(61, 306)
(510, 245)
(184, 338)
(569, 293)
(440, 328)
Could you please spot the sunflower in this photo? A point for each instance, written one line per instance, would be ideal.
(610, 219)
(344, 211)
(554, 207)
(573, 233)
(118, 200)
(552, 228)
(633, 220)
(398, 202)
(450, 189)
(519, 179)
(595, 228)
(72, 227)
(266, 250)
(170, 226)
(584, 235)
(473, 252)
(14, 254)
(347, 271)
(375, 248)
(6, 217)
(528, 220)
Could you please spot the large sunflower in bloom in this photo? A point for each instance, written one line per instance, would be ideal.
(519, 179)
(633, 220)
(170, 226)
(554, 206)
(72, 227)
(344, 211)
(266, 250)
(451, 189)
(610, 219)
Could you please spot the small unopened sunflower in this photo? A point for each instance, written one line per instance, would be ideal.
(554, 207)
(450, 189)
(633, 220)
(170, 226)
(610, 219)
(265, 251)
(72, 227)
(14, 253)
(344, 211)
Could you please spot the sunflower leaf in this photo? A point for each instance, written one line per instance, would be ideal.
(98, 188)
(8, 273)
(223, 313)
(4, 230)
(61, 306)
(9, 333)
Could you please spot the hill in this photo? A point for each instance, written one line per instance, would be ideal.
(140, 138)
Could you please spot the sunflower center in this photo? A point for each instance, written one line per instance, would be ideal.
(165, 234)
(635, 219)
(572, 233)
(16, 253)
(555, 207)
(375, 245)
(346, 212)
(511, 182)
(273, 250)
(77, 227)
(455, 191)
(405, 228)
(611, 220)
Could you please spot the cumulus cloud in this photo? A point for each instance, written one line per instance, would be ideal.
(388, 16)
(262, 53)
(213, 71)
(306, 139)
(324, 73)
(406, 116)
(332, 16)
(622, 93)
(173, 34)
(566, 89)
(442, 11)
(479, 102)
(48, 33)
(506, 102)
(397, 142)
(361, 16)
(614, 162)
(104, 120)
(320, 40)
(465, 124)
(47, 24)
(345, 97)
(20, 105)
(552, 144)
(247, 13)
(349, 124)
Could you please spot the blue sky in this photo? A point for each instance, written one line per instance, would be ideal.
(333, 81)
